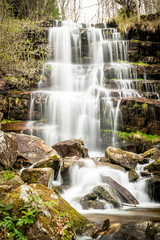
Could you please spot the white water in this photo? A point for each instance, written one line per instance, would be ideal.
(72, 95)
(85, 177)
(74, 101)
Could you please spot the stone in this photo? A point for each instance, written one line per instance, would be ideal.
(154, 188)
(70, 148)
(108, 196)
(132, 175)
(31, 149)
(97, 233)
(137, 115)
(94, 204)
(124, 195)
(153, 153)
(137, 231)
(154, 167)
(50, 206)
(53, 162)
(145, 174)
(43, 176)
(10, 185)
(125, 159)
(8, 150)
(90, 201)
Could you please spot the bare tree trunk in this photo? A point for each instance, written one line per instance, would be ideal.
(138, 11)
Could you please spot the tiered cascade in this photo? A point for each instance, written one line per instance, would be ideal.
(82, 84)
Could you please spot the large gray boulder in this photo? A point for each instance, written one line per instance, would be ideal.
(125, 159)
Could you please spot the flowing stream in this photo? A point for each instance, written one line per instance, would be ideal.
(79, 94)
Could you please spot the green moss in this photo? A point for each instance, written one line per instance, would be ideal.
(136, 105)
(54, 157)
(144, 106)
(6, 176)
(130, 135)
(4, 121)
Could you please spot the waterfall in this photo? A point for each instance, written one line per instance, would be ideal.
(74, 99)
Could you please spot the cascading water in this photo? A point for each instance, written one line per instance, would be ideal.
(79, 94)
(73, 97)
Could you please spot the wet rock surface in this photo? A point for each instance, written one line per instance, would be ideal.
(132, 175)
(153, 185)
(124, 195)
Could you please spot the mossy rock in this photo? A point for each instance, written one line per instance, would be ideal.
(153, 153)
(56, 217)
(128, 160)
(132, 175)
(43, 176)
(49, 162)
(154, 167)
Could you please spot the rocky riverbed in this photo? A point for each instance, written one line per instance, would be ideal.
(30, 168)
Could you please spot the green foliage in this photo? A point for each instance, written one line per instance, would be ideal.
(6, 176)
(126, 23)
(11, 227)
(21, 57)
(31, 9)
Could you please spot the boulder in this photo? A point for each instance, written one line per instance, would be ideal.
(124, 195)
(132, 175)
(125, 159)
(10, 185)
(108, 195)
(138, 231)
(99, 232)
(154, 167)
(31, 149)
(8, 150)
(56, 219)
(153, 153)
(44, 176)
(53, 162)
(90, 201)
(154, 188)
(70, 148)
